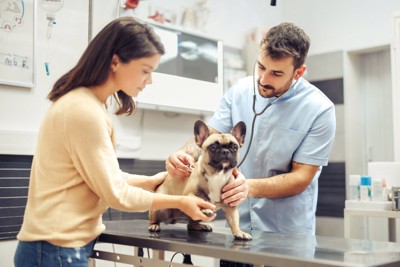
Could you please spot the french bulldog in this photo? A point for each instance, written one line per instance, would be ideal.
(212, 171)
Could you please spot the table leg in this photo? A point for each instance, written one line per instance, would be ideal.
(158, 254)
(347, 225)
(366, 227)
(392, 229)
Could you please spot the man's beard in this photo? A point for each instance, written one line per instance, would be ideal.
(269, 87)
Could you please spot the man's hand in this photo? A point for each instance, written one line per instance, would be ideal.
(236, 191)
(179, 164)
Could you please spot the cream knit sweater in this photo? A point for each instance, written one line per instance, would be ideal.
(75, 174)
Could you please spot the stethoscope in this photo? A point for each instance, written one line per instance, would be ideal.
(256, 114)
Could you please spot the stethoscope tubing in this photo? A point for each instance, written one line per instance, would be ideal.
(256, 114)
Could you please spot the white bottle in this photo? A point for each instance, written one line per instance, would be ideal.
(365, 188)
(377, 190)
(354, 187)
(385, 190)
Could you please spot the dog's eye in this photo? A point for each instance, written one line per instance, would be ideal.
(212, 147)
(234, 147)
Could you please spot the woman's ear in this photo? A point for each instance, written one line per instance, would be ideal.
(114, 63)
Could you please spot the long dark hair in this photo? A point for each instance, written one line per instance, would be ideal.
(125, 37)
(286, 40)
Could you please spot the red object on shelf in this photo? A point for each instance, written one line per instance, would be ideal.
(131, 4)
(158, 17)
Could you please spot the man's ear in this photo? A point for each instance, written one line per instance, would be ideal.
(300, 72)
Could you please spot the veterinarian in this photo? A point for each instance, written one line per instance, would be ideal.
(291, 128)
(75, 174)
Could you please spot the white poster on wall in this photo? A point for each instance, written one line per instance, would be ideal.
(17, 42)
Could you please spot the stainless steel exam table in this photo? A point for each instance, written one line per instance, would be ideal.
(266, 249)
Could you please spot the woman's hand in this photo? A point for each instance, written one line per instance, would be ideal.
(179, 164)
(156, 180)
(197, 208)
(236, 191)
(194, 207)
(145, 182)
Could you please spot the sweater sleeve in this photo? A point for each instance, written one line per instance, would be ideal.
(88, 133)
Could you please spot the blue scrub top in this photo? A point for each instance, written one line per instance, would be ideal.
(300, 126)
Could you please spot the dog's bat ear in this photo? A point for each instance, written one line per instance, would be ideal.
(201, 132)
(239, 132)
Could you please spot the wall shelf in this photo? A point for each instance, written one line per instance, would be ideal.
(390, 215)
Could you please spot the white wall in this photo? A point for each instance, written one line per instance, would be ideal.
(342, 24)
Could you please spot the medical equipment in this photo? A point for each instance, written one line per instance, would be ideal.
(256, 114)
(51, 7)
(396, 198)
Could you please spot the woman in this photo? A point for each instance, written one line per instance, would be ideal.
(75, 174)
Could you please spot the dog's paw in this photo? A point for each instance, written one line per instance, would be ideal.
(242, 236)
(208, 212)
(199, 227)
(154, 227)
